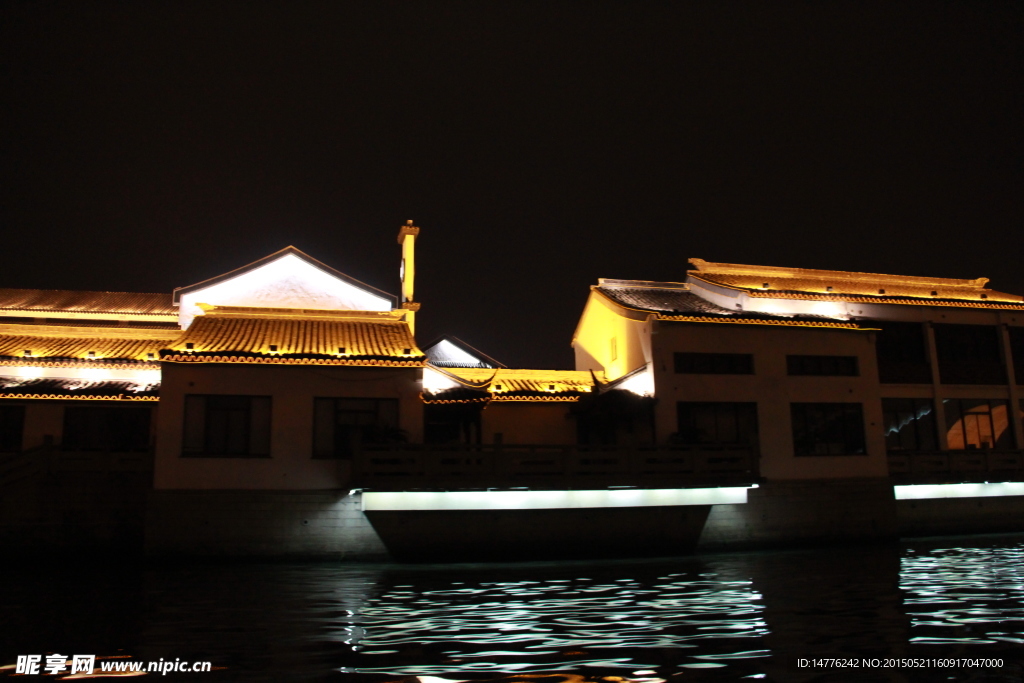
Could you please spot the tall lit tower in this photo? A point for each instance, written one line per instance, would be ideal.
(407, 238)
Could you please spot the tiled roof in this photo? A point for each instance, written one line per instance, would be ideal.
(295, 340)
(452, 352)
(79, 346)
(677, 303)
(671, 301)
(524, 385)
(106, 390)
(834, 285)
(56, 301)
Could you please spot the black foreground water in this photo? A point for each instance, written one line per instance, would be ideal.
(704, 618)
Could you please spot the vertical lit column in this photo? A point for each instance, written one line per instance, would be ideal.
(407, 238)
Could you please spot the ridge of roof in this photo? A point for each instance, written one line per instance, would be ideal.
(252, 312)
(280, 253)
(708, 267)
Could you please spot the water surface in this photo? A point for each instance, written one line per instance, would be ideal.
(716, 617)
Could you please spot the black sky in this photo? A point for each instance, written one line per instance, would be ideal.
(540, 145)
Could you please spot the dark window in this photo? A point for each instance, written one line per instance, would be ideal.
(227, 426)
(969, 354)
(902, 353)
(342, 425)
(977, 423)
(1017, 350)
(714, 363)
(717, 423)
(828, 429)
(12, 426)
(451, 423)
(106, 428)
(844, 366)
(909, 424)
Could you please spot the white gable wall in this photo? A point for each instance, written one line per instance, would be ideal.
(286, 282)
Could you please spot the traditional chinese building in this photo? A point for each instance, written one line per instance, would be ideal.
(286, 408)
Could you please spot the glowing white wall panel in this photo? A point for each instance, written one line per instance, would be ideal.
(925, 491)
(538, 500)
(641, 384)
(434, 381)
(287, 282)
(446, 352)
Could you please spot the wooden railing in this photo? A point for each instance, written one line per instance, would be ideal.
(550, 467)
(950, 467)
(49, 459)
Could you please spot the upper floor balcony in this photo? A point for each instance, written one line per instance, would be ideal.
(551, 467)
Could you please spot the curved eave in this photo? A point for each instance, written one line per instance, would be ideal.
(783, 322)
(66, 397)
(862, 298)
(365, 361)
(59, 362)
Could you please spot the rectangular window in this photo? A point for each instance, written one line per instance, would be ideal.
(120, 429)
(977, 423)
(12, 427)
(226, 426)
(717, 423)
(714, 363)
(902, 353)
(822, 366)
(342, 425)
(910, 424)
(969, 354)
(828, 429)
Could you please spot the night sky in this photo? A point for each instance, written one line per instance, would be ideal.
(540, 146)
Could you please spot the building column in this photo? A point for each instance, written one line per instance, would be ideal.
(940, 410)
(1015, 421)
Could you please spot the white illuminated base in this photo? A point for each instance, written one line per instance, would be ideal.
(925, 491)
(543, 500)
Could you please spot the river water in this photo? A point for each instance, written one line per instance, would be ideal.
(737, 616)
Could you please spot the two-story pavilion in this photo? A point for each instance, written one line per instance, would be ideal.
(841, 382)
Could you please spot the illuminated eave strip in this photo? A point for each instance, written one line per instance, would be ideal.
(94, 363)
(61, 397)
(184, 358)
(929, 491)
(909, 300)
(555, 399)
(545, 500)
(757, 321)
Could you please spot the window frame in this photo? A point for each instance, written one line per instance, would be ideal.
(701, 363)
(847, 414)
(108, 427)
(822, 365)
(356, 439)
(258, 431)
(891, 415)
(980, 420)
(718, 412)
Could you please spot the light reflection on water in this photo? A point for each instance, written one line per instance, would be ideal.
(710, 618)
(964, 595)
(543, 625)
